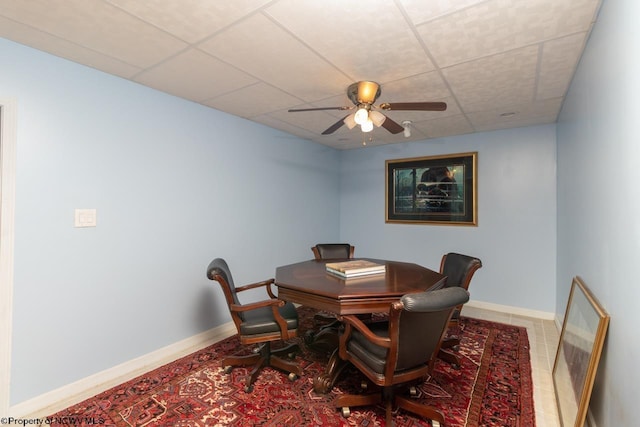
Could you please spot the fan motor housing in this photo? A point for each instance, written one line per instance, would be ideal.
(363, 92)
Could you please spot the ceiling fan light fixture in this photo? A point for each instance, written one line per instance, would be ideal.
(367, 126)
(363, 94)
(361, 116)
(377, 118)
(350, 121)
(368, 92)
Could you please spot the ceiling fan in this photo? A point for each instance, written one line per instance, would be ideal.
(363, 95)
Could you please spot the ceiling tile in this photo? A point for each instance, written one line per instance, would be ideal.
(500, 25)
(341, 100)
(195, 75)
(269, 120)
(253, 100)
(446, 126)
(190, 20)
(421, 11)
(559, 61)
(91, 23)
(495, 81)
(422, 87)
(539, 112)
(263, 49)
(65, 49)
(383, 49)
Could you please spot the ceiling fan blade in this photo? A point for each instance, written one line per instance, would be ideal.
(392, 126)
(416, 106)
(334, 127)
(295, 110)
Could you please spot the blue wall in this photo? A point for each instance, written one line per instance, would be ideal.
(598, 203)
(175, 184)
(515, 236)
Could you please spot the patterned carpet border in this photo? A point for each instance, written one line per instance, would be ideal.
(493, 387)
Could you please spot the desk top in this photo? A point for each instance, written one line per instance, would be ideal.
(309, 283)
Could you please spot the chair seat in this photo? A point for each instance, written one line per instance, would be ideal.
(261, 321)
(374, 356)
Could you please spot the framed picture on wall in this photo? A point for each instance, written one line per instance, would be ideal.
(579, 349)
(432, 190)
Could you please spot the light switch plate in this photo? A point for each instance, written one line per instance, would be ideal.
(85, 218)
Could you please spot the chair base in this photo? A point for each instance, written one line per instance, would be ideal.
(446, 354)
(263, 357)
(390, 399)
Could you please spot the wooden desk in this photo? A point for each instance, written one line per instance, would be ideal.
(308, 283)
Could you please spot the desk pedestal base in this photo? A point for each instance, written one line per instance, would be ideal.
(323, 383)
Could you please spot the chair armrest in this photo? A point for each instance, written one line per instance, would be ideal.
(351, 321)
(266, 283)
(254, 305)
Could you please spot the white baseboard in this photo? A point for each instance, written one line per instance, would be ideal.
(511, 310)
(71, 394)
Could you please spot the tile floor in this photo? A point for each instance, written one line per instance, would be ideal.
(543, 340)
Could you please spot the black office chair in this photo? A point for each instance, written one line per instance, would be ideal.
(459, 270)
(258, 322)
(330, 251)
(400, 351)
(333, 251)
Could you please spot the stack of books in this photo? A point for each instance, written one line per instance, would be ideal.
(355, 268)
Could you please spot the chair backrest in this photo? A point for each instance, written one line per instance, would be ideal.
(218, 270)
(333, 251)
(459, 269)
(421, 323)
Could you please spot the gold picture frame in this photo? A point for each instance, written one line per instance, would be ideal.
(579, 349)
(438, 190)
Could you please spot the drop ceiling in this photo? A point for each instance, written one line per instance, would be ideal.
(496, 63)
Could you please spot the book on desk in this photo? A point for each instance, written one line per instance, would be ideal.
(355, 268)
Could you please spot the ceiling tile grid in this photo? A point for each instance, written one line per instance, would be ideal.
(496, 63)
(194, 75)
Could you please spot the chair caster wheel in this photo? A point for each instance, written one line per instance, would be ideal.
(228, 369)
(455, 366)
(413, 391)
(455, 348)
(292, 377)
(248, 389)
(291, 356)
(346, 412)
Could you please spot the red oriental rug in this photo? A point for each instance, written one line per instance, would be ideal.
(493, 387)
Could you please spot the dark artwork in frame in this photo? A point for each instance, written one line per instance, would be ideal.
(432, 190)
